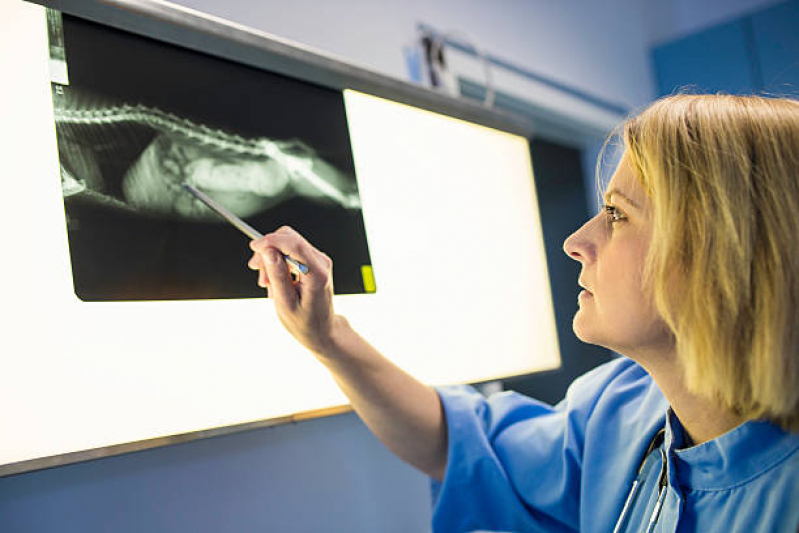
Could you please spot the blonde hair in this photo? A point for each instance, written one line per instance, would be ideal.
(722, 173)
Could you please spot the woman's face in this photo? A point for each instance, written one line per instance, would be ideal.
(615, 311)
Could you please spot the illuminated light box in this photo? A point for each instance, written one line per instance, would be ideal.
(442, 210)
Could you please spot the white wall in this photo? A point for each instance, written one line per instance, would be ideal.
(600, 47)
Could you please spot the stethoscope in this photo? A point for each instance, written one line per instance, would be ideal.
(662, 483)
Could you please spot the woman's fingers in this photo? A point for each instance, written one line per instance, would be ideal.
(281, 286)
(291, 243)
(305, 304)
(256, 262)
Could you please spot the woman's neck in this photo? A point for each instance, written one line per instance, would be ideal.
(702, 418)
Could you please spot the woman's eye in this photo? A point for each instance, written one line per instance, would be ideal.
(613, 213)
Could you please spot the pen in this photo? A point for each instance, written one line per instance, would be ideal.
(242, 226)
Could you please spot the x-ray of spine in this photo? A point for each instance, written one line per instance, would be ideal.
(247, 175)
(272, 150)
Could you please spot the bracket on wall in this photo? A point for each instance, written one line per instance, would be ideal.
(450, 62)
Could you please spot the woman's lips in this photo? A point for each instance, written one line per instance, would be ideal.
(585, 289)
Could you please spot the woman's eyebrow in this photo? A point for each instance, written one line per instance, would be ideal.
(617, 192)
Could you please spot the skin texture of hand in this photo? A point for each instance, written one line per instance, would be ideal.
(304, 305)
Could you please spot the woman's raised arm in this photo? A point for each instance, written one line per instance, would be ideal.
(402, 412)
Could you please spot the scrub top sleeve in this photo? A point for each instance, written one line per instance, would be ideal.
(514, 463)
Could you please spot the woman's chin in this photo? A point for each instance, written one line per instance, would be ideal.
(583, 329)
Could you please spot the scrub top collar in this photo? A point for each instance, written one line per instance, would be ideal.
(734, 458)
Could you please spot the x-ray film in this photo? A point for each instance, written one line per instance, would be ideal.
(135, 119)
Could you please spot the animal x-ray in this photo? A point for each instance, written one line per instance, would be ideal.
(136, 118)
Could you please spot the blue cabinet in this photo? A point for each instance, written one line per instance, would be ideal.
(709, 61)
(758, 53)
(776, 40)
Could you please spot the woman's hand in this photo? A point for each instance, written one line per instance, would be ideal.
(305, 304)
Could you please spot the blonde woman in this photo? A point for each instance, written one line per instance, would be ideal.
(690, 271)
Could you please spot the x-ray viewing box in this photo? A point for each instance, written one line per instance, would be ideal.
(447, 202)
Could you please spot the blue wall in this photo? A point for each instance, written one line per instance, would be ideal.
(776, 43)
(758, 53)
(328, 474)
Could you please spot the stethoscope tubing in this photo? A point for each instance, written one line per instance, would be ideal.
(653, 519)
(636, 487)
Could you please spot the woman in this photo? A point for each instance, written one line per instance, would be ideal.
(690, 271)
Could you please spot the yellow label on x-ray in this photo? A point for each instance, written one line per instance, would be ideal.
(368, 278)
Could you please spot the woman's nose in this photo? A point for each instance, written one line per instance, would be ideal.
(579, 247)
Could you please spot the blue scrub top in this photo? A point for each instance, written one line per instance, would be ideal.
(517, 464)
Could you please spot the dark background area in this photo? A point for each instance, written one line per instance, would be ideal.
(121, 255)
(217, 93)
(564, 208)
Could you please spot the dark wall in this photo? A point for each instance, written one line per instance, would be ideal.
(564, 208)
